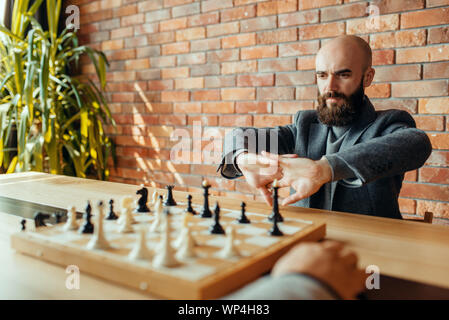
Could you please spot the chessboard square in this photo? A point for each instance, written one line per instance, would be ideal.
(232, 214)
(217, 241)
(263, 241)
(252, 231)
(289, 229)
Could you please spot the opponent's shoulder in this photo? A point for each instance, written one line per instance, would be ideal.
(390, 116)
(305, 116)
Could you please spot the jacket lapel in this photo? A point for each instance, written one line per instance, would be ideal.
(317, 141)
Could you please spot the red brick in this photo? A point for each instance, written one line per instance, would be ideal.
(309, 4)
(276, 7)
(298, 49)
(439, 140)
(429, 17)
(173, 24)
(174, 96)
(149, 74)
(205, 70)
(423, 191)
(191, 34)
(212, 5)
(124, 11)
(438, 158)
(422, 54)
(160, 62)
(173, 119)
(408, 38)
(203, 19)
(160, 85)
(438, 35)
(286, 64)
(123, 97)
(193, 58)
(384, 23)
(275, 93)
(409, 105)
(186, 10)
(306, 93)
(176, 48)
(235, 121)
(206, 95)
(189, 83)
(381, 90)
(343, 12)
(389, 6)
(439, 209)
(436, 70)
(137, 64)
(430, 123)
(252, 107)
(222, 29)
(203, 169)
(277, 36)
(306, 63)
(121, 76)
(411, 176)
(295, 78)
(204, 120)
(238, 13)
(122, 33)
(241, 40)
(420, 88)
(97, 16)
(161, 37)
(205, 45)
(434, 175)
(255, 80)
(109, 4)
(112, 45)
(434, 105)
(407, 205)
(257, 24)
(218, 107)
(223, 55)
(397, 73)
(180, 72)
(187, 107)
(173, 3)
(132, 20)
(327, 30)
(238, 94)
(292, 107)
(258, 52)
(271, 120)
(146, 28)
(298, 18)
(382, 57)
(133, 42)
(219, 82)
(239, 67)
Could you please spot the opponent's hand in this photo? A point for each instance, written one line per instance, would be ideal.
(326, 261)
(259, 172)
(304, 175)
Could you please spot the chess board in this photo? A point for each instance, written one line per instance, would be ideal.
(205, 277)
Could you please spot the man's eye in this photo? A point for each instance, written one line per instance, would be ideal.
(321, 76)
(345, 75)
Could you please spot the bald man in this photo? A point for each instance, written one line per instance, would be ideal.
(343, 156)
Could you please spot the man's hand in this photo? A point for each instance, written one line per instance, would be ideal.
(326, 261)
(304, 175)
(259, 171)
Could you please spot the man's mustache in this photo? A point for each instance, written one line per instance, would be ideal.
(333, 94)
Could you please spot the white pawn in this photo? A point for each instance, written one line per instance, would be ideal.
(126, 223)
(186, 248)
(154, 199)
(98, 241)
(184, 232)
(229, 250)
(71, 223)
(157, 224)
(140, 250)
(126, 204)
(165, 256)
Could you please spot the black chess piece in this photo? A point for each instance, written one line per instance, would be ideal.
(88, 227)
(189, 205)
(23, 223)
(275, 231)
(142, 202)
(217, 228)
(275, 214)
(170, 202)
(39, 219)
(111, 215)
(205, 212)
(58, 216)
(243, 217)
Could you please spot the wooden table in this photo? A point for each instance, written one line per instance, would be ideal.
(402, 249)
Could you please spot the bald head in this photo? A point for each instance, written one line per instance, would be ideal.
(349, 47)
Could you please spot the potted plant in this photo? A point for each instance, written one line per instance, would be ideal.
(50, 120)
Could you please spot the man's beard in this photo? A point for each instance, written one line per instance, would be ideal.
(343, 115)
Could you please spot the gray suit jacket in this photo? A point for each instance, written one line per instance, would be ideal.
(369, 168)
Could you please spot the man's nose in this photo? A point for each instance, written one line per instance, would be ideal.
(332, 83)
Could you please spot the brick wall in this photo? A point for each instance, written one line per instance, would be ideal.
(226, 63)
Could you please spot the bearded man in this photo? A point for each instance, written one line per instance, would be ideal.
(343, 156)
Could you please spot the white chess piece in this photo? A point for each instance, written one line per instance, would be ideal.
(154, 199)
(229, 250)
(98, 241)
(140, 250)
(71, 223)
(157, 224)
(182, 237)
(126, 204)
(127, 221)
(186, 248)
(165, 256)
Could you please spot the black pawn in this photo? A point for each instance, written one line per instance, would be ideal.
(189, 205)
(217, 228)
(243, 218)
(142, 202)
(58, 217)
(23, 223)
(111, 215)
(205, 212)
(275, 230)
(88, 227)
(169, 202)
(275, 214)
(39, 219)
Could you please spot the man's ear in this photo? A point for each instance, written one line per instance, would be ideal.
(368, 77)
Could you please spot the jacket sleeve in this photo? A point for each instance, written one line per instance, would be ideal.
(278, 140)
(285, 287)
(399, 147)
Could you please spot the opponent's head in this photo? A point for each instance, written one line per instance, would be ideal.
(343, 69)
